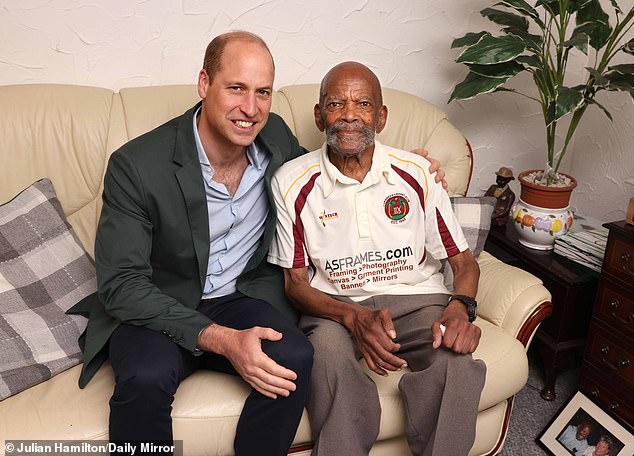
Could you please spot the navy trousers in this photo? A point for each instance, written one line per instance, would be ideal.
(149, 367)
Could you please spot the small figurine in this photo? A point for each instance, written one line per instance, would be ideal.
(503, 193)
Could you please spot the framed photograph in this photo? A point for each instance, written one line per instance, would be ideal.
(581, 428)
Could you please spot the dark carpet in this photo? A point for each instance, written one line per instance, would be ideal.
(531, 413)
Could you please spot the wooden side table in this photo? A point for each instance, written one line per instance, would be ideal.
(608, 366)
(561, 337)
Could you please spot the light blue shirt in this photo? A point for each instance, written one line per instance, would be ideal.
(569, 440)
(236, 223)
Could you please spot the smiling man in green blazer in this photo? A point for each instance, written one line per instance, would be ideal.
(183, 281)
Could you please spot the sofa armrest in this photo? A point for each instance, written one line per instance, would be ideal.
(511, 298)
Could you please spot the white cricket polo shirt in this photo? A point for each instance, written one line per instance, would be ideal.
(369, 238)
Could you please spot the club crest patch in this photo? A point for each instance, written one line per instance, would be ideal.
(396, 207)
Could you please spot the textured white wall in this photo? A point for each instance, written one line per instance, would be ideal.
(121, 43)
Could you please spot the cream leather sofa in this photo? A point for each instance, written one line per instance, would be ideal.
(67, 133)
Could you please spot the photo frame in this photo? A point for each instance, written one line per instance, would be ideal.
(580, 425)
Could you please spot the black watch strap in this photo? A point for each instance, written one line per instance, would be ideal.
(470, 303)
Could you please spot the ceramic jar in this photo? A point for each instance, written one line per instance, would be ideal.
(538, 227)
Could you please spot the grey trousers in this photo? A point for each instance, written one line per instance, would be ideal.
(441, 394)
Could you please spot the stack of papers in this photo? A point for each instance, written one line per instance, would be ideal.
(584, 245)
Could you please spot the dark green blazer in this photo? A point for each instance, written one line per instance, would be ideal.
(152, 241)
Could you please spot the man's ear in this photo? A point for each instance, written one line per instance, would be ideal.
(318, 120)
(380, 125)
(203, 84)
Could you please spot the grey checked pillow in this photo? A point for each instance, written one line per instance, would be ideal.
(474, 215)
(44, 270)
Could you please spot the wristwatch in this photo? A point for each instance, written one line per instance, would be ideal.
(469, 302)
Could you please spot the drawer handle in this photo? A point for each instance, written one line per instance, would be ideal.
(595, 392)
(622, 363)
(625, 259)
(615, 306)
(614, 405)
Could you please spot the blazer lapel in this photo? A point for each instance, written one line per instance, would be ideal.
(190, 180)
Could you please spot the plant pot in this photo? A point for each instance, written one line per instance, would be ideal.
(542, 213)
(546, 197)
(538, 227)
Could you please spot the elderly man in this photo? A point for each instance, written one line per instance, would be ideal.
(575, 438)
(360, 229)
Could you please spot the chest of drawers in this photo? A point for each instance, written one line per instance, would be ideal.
(608, 366)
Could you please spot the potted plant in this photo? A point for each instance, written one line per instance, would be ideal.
(539, 39)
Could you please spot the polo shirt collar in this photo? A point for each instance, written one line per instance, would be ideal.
(380, 168)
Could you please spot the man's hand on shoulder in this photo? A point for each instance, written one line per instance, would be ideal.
(243, 348)
(435, 168)
(459, 335)
(374, 333)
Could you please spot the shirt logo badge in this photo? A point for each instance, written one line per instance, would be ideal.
(396, 207)
(323, 216)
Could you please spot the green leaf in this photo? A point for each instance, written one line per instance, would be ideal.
(523, 8)
(468, 40)
(534, 42)
(566, 101)
(595, 32)
(504, 89)
(491, 49)
(576, 5)
(578, 39)
(550, 5)
(592, 20)
(474, 85)
(619, 81)
(555, 5)
(605, 111)
(626, 68)
(599, 79)
(505, 18)
(628, 47)
(499, 70)
(529, 60)
(588, 91)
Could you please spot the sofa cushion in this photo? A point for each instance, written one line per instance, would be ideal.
(43, 272)
(474, 216)
(64, 133)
